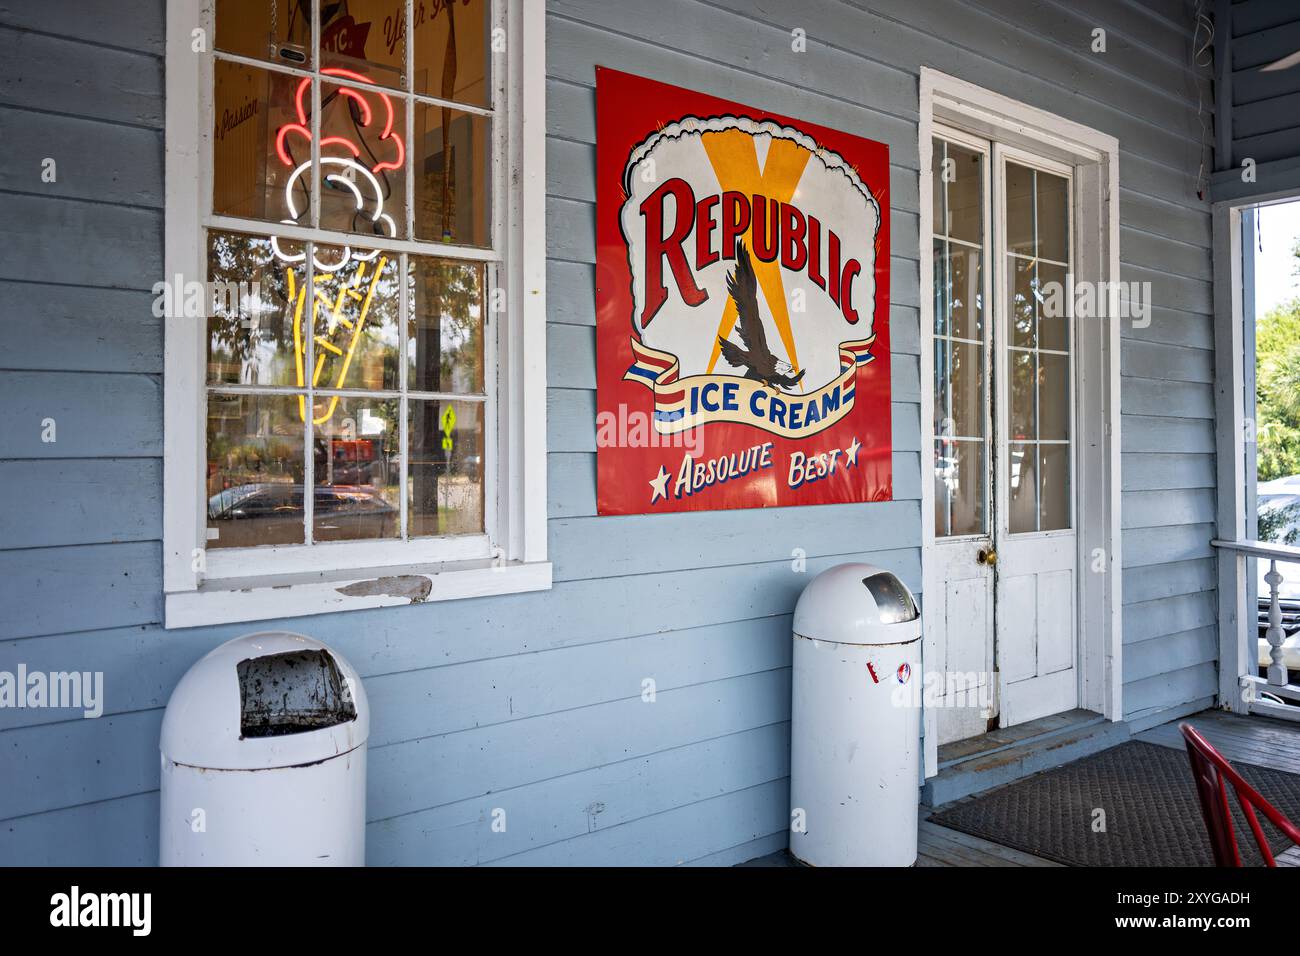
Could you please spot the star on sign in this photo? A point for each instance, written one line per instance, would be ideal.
(851, 453)
(660, 485)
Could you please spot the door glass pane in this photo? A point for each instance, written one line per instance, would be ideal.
(965, 188)
(1053, 216)
(1022, 302)
(1020, 210)
(1053, 396)
(942, 285)
(1054, 309)
(960, 382)
(1038, 460)
(1024, 398)
(1022, 487)
(1053, 487)
(959, 487)
(966, 390)
(965, 302)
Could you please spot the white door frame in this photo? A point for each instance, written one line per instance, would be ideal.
(1094, 157)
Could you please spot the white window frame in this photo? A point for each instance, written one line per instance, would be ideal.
(948, 103)
(210, 587)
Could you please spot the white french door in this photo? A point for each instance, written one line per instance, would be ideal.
(1005, 625)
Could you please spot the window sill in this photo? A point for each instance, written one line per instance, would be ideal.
(232, 600)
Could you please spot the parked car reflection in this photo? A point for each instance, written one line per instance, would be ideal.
(272, 513)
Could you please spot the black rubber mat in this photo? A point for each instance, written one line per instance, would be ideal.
(1132, 805)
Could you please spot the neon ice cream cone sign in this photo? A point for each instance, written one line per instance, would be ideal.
(354, 277)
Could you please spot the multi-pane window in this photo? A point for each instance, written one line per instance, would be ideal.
(1038, 348)
(354, 200)
(961, 441)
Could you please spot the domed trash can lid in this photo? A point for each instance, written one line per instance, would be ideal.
(265, 700)
(857, 604)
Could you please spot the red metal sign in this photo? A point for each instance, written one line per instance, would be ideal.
(742, 306)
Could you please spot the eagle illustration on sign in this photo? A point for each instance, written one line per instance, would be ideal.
(756, 358)
(742, 306)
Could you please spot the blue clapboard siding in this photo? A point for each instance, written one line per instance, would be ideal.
(532, 704)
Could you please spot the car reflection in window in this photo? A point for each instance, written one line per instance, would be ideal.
(249, 515)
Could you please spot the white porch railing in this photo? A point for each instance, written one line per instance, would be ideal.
(1268, 695)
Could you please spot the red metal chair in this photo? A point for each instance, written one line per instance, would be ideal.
(1209, 770)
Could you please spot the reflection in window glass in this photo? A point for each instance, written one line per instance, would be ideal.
(354, 320)
(959, 487)
(446, 467)
(255, 470)
(452, 184)
(960, 382)
(445, 332)
(357, 469)
(250, 314)
(1038, 353)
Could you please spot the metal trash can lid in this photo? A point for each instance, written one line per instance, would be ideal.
(271, 699)
(857, 604)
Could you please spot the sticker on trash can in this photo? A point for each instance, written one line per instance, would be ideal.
(904, 672)
(871, 668)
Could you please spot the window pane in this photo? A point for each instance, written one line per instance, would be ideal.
(252, 164)
(357, 469)
(355, 319)
(453, 185)
(255, 470)
(1020, 209)
(1022, 373)
(966, 277)
(1053, 216)
(1053, 396)
(452, 51)
(446, 468)
(1022, 305)
(959, 470)
(445, 331)
(1022, 491)
(367, 37)
(1054, 487)
(959, 403)
(362, 160)
(263, 30)
(942, 287)
(1053, 329)
(965, 195)
(250, 321)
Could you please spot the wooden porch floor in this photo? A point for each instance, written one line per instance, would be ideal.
(1255, 740)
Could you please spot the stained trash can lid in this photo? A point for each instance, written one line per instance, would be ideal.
(265, 700)
(857, 604)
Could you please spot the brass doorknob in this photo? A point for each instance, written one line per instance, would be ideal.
(987, 556)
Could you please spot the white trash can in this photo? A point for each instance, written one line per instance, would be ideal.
(264, 758)
(855, 721)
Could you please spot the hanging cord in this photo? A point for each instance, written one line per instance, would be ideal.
(1202, 56)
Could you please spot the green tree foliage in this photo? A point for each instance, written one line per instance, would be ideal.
(1277, 391)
